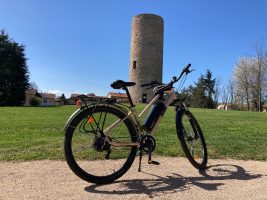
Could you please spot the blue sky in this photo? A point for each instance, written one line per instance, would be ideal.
(82, 46)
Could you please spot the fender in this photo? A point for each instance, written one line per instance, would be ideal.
(78, 111)
(71, 117)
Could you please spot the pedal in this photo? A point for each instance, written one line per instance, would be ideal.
(107, 156)
(153, 162)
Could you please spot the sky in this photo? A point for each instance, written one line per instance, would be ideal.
(83, 46)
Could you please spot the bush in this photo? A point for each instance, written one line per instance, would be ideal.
(35, 101)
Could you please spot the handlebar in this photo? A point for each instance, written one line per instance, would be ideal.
(187, 68)
(169, 85)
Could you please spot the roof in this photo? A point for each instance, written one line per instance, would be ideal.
(48, 95)
(31, 91)
(117, 95)
(91, 94)
(74, 95)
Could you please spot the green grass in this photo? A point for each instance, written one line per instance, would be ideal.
(33, 133)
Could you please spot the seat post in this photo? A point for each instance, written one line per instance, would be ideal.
(129, 96)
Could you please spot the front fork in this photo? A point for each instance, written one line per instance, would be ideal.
(179, 111)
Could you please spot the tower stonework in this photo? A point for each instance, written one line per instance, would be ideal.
(146, 56)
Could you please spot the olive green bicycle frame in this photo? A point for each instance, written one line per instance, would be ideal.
(170, 96)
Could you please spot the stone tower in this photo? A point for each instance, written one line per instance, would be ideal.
(146, 55)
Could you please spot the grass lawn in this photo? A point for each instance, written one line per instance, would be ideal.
(31, 133)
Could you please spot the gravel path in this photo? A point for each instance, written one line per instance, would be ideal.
(174, 178)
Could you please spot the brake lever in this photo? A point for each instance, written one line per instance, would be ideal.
(189, 71)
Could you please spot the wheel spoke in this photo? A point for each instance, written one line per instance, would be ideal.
(88, 143)
(194, 144)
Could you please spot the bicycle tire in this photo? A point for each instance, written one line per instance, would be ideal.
(185, 121)
(77, 165)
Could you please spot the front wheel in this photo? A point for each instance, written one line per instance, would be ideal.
(191, 138)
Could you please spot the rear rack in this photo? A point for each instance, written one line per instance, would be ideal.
(86, 101)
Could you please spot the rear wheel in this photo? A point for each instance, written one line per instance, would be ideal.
(88, 151)
(191, 138)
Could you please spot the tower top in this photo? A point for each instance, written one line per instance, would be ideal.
(145, 15)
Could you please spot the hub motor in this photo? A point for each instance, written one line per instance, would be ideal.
(101, 144)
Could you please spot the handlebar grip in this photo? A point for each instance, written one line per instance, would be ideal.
(187, 67)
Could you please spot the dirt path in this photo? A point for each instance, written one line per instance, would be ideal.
(174, 178)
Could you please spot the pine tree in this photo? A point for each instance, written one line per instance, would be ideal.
(209, 88)
(14, 75)
(199, 99)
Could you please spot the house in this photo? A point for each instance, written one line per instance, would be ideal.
(225, 106)
(71, 100)
(29, 94)
(120, 97)
(91, 94)
(264, 107)
(48, 99)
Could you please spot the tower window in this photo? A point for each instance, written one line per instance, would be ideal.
(134, 64)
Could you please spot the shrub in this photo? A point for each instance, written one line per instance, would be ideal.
(35, 101)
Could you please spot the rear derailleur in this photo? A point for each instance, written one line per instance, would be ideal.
(101, 143)
(147, 145)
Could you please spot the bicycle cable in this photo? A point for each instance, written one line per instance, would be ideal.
(181, 83)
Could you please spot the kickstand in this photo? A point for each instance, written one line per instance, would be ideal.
(140, 160)
(150, 161)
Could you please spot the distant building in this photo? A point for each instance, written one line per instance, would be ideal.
(29, 94)
(264, 107)
(120, 97)
(225, 106)
(48, 99)
(74, 95)
(91, 94)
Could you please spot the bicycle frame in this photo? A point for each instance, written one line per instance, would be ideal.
(170, 96)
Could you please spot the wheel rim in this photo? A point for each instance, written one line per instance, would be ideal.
(193, 140)
(86, 144)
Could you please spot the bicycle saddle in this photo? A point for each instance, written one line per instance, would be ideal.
(120, 84)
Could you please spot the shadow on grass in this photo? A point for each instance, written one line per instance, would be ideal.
(209, 179)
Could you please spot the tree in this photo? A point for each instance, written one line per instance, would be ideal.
(242, 76)
(225, 94)
(251, 77)
(199, 98)
(14, 75)
(33, 85)
(62, 97)
(231, 90)
(217, 92)
(209, 84)
(204, 94)
(260, 73)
